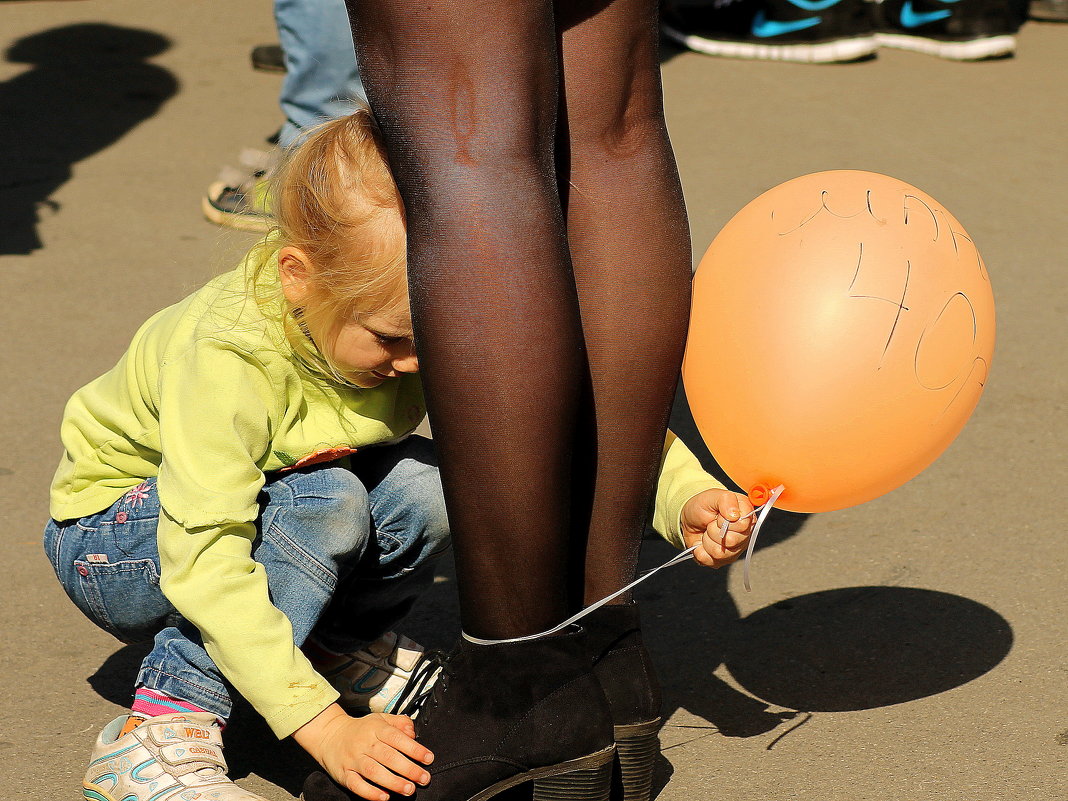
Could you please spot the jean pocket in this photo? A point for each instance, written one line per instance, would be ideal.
(123, 598)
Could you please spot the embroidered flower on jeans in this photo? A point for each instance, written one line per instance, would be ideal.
(136, 496)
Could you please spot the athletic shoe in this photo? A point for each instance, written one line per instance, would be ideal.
(813, 31)
(268, 58)
(238, 199)
(373, 678)
(961, 30)
(167, 758)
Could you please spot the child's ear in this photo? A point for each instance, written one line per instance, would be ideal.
(294, 271)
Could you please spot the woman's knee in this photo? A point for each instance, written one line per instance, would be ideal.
(462, 138)
(632, 128)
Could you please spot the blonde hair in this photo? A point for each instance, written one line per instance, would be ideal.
(334, 197)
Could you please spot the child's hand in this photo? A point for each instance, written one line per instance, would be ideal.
(377, 748)
(702, 521)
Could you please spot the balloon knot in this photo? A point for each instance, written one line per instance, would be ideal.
(759, 494)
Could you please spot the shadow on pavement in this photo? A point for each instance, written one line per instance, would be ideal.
(843, 649)
(864, 647)
(838, 650)
(89, 85)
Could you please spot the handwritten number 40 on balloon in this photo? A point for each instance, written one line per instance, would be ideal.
(862, 319)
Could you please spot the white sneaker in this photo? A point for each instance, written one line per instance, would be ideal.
(373, 678)
(175, 757)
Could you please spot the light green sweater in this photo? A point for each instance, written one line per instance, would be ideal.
(208, 398)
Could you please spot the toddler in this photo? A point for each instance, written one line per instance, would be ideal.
(242, 490)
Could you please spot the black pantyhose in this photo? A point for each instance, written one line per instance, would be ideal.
(549, 321)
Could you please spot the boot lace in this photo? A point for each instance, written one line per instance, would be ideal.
(420, 687)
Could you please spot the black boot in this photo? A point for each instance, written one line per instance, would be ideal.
(506, 713)
(625, 670)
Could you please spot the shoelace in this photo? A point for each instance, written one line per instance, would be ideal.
(421, 685)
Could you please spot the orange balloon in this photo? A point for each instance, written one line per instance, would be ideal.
(841, 333)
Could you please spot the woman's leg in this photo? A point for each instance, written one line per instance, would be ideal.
(630, 248)
(467, 96)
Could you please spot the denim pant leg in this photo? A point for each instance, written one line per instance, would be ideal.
(315, 524)
(411, 531)
(108, 564)
(321, 80)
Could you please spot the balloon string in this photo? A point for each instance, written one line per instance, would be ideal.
(680, 557)
(775, 493)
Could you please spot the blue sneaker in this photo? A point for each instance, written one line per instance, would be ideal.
(961, 30)
(812, 31)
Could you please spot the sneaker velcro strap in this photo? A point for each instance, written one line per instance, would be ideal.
(183, 732)
(178, 754)
(407, 654)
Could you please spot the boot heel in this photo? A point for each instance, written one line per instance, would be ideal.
(585, 784)
(637, 746)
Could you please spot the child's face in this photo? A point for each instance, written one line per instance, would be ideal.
(366, 351)
(371, 350)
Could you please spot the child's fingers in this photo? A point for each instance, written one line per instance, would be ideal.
(717, 540)
(363, 788)
(726, 538)
(728, 507)
(398, 741)
(741, 525)
(371, 769)
(745, 506)
(716, 557)
(735, 510)
(711, 551)
(402, 723)
(399, 764)
(702, 557)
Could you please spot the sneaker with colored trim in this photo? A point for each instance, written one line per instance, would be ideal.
(238, 198)
(373, 678)
(811, 31)
(960, 30)
(174, 757)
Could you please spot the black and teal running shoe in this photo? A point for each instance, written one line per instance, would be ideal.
(962, 30)
(814, 31)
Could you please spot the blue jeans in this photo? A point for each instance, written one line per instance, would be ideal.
(348, 548)
(322, 81)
